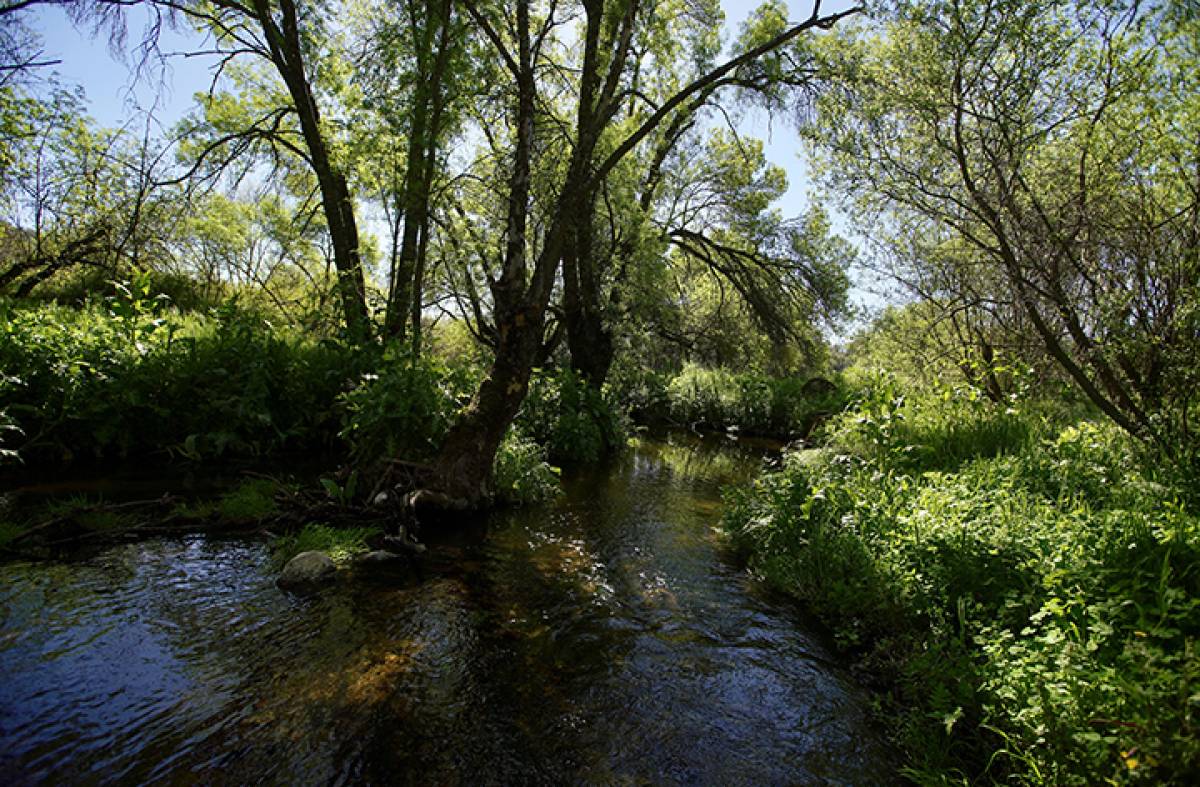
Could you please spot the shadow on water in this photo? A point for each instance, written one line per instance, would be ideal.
(602, 639)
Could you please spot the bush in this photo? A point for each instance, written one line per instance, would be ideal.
(130, 377)
(571, 419)
(777, 406)
(1031, 593)
(403, 407)
(521, 475)
(937, 431)
(640, 392)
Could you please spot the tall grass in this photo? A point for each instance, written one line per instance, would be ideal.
(1028, 591)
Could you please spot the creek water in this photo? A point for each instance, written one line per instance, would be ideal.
(605, 638)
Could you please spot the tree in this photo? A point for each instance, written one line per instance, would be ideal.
(290, 39)
(769, 61)
(603, 86)
(437, 39)
(1044, 158)
(78, 196)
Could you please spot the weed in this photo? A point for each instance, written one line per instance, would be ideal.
(252, 499)
(521, 475)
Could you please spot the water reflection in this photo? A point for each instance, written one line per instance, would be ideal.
(601, 640)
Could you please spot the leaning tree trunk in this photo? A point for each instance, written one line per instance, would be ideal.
(463, 468)
(283, 41)
(464, 465)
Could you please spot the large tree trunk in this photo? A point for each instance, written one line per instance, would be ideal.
(464, 465)
(588, 338)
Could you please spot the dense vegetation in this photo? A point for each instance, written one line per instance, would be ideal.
(447, 246)
(1025, 585)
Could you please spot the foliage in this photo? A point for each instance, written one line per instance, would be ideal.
(252, 499)
(940, 430)
(641, 391)
(1027, 171)
(753, 403)
(404, 406)
(521, 475)
(9, 532)
(75, 195)
(340, 543)
(130, 376)
(571, 419)
(1031, 592)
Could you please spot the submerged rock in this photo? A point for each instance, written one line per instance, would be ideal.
(307, 568)
(379, 557)
(403, 544)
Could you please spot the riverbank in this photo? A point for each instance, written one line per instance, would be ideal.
(1025, 591)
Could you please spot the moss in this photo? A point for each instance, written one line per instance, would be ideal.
(104, 520)
(196, 510)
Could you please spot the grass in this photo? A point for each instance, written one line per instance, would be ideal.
(251, 499)
(1027, 591)
(10, 531)
(340, 543)
(723, 400)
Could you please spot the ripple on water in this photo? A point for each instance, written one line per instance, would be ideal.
(599, 640)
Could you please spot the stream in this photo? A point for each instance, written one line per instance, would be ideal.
(606, 638)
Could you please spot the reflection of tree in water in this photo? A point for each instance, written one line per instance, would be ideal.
(702, 461)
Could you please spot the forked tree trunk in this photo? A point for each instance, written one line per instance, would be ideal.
(464, 465)
(463, 469)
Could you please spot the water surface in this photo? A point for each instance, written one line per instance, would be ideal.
(603, 639)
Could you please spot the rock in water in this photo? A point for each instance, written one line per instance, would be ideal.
(380, 557)
(307, 568)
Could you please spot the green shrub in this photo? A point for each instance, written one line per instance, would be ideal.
(521, 475)
(934, 432)
(10, 531)
(720, 399)
(1032, 592)
(639, 391)
(126, 378)
(571, 419)
(404, 406)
